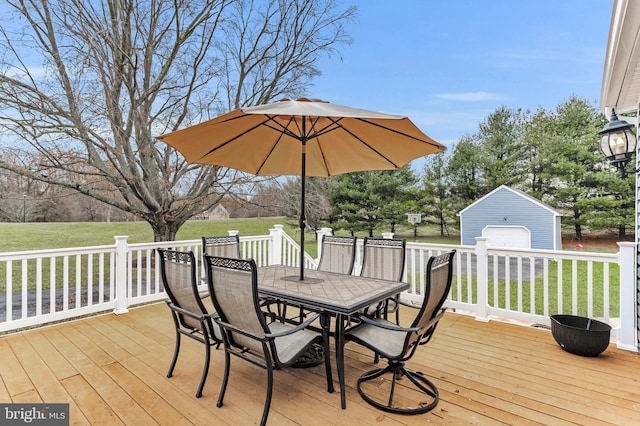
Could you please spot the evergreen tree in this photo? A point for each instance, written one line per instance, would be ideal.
(501, 149)
(367, 200)
(575, 160)
(436, 204)
(464, 171)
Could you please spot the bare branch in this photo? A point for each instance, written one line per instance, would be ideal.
(102, 78)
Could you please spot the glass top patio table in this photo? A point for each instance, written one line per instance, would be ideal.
(330, 293)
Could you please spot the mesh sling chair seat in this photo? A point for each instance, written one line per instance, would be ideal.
(233, 285)
(190, 317)
(398, 344)
(384, 259)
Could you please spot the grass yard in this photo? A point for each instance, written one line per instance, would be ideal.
(35, 236)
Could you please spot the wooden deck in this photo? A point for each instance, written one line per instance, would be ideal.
(112, 370)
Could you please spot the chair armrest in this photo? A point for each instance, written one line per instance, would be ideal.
(431, 325)
(393, 327)
(385, 325)
(295, 329)
(199, 317)
(435, 319)
(267, 336)
(231, 327)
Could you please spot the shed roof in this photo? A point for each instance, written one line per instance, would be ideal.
(519, 193)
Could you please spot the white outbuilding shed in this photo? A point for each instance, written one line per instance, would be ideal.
(511, 218)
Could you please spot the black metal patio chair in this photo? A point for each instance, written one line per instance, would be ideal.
(398, 344)
(190, 317)
(338, 254)
(233, 285)
(384, 259)
(224, 246)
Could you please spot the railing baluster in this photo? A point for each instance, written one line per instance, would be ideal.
(9, 290)
(25, 287)
(78, 261)
(574, 287)
(39, 286)
(470, 292)
(65, 283)
(590, 289)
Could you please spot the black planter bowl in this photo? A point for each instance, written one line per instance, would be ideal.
(580, 335)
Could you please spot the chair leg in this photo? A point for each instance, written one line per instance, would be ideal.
(325, 324)
(397, 370)
(267, 402)
(205, 369)
(225, 379)
(176, 351)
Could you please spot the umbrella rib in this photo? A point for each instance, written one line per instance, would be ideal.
(337, 124)
(366, 144)
(266, 157)
(285, 131)
(437, 145)
(282, 128)
(233, 138)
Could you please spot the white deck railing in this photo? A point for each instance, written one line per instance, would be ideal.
(38, 287)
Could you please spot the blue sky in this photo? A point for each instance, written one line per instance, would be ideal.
(448, 64)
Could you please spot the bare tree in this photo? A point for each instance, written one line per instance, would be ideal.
(86, 85)
(317, 203)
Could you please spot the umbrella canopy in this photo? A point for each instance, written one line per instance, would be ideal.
(303, 137)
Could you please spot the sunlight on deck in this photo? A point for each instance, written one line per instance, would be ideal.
(112, 370)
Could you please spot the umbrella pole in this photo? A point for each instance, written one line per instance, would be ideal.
(302, 217)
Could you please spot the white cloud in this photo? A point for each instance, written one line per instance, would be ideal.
(471, 96)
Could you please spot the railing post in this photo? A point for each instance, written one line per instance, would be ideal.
(627, 336)
(482, 274)
(275, 253)
(121, 301)
(320, 233)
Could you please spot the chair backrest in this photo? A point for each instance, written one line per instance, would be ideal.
(338, 254)
(178, 272)
(437, 287)
(383, 258)
(222, 246)
(233, 285)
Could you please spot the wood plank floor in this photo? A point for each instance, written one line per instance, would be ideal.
(112, 370)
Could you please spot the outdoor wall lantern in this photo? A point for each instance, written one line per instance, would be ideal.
(618, 143)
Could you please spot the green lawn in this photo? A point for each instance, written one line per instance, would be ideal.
(35, 236)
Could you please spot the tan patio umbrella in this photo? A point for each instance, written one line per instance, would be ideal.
(303, 137)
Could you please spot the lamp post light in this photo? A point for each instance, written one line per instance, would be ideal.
(618, 143)
(24, 207)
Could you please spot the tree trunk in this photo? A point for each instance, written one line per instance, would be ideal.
(163, 229)
(622, 232)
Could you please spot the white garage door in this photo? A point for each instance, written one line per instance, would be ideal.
(507, 236)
